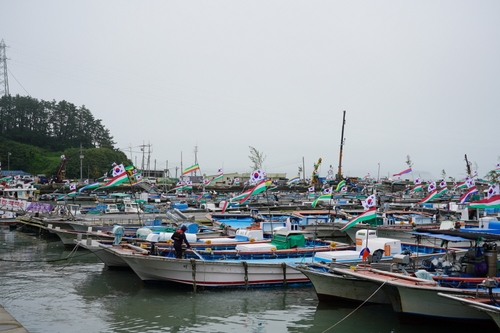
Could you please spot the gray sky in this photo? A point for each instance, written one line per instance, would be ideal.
(416, 78)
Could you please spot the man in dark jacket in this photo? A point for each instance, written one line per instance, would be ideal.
(179, 237)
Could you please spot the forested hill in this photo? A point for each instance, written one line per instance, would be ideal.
(36, 133)
(51, 125)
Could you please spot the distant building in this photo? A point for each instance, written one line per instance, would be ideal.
(13, 173)
(228, 178)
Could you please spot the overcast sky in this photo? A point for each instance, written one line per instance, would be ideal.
(416, 78)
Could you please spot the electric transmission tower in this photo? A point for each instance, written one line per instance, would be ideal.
(4, 79)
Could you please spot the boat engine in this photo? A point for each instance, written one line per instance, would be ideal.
(118, 233)
(490, 284)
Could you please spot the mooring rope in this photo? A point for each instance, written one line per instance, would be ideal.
(341, 320)
(69, 261)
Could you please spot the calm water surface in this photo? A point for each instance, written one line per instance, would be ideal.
(46, 292)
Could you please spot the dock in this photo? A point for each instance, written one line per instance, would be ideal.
(9, 324)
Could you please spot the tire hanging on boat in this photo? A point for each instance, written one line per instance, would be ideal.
(193, 265)
(284, 273)
(245, 266)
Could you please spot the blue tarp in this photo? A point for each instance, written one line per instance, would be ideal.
(441, 236)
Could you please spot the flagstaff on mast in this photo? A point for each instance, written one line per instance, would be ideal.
(339, 172)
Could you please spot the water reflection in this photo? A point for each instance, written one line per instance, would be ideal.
(47, 293)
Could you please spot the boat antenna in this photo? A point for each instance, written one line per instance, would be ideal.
(339, 172)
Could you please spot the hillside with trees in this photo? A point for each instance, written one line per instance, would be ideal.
(36, 133)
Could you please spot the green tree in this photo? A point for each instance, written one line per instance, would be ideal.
(52, 125)
(257, 158)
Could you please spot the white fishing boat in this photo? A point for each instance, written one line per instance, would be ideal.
(95, 246)
(414, 298)
(130, 207)
(488, 305)
(248, 265)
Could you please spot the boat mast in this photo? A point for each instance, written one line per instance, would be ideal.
(467, 166)
(339, 172)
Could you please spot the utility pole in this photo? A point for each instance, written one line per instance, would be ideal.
(4, 78)
(195, 157)
(339, 173)
(303, 169)
(81, 165)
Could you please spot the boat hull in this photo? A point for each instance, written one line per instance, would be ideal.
(335, 287)
(219, 273)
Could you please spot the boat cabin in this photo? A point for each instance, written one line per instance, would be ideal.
(131, 207)
(111, 209)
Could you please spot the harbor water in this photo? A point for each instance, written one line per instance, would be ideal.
(50, 289)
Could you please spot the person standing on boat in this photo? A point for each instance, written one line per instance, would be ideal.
(179, 237)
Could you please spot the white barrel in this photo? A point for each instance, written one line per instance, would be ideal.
(142, 233)
(165, 236)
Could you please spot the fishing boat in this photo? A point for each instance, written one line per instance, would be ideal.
(416, 298)
(16, 198)
(488, 305)
(231, 222)
(111, 260)
(248, 265)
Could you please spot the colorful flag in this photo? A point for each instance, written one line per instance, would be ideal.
(89, 187)
(492, 202)
(467, 194)
(257, 176)
(120, 179)
(370, 202)
(321, 197)
(493, 190)
(311, 189)
(417, 188)
(470, 182)
(404, 172)
(431, 196)
(417, 181)
(259, 188)
(442, 191)
(292, 181)
(241, 195)
(364, 253)
(118, 169)
(340, 185)
(224, 206)
(365, 216)
(328, 190)
(192, 168)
